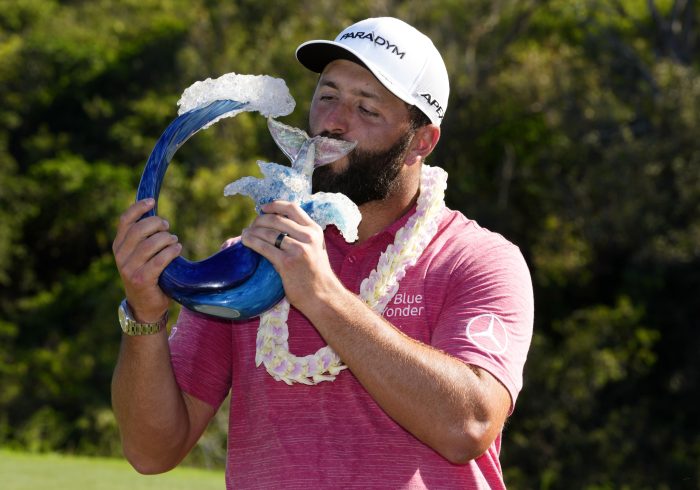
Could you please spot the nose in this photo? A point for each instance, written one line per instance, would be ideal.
(335, 119)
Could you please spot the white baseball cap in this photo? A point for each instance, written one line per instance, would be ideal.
(402, 58)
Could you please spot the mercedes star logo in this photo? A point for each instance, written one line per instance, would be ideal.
(487, 331)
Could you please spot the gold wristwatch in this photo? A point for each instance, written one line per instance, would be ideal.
(132, 327)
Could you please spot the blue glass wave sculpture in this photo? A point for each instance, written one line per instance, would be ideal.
(237, 282)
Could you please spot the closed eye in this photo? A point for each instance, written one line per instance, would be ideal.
(368, 112)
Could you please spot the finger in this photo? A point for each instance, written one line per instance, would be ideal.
(262, 241)
(269, 227)
(230, 242)
(275, 237)
(143, 252)
(138, 232)
(275, 224)
(131, 216)
(153, 245)
(303, 232)
(280, 239)
(288, 209)
(150, 271)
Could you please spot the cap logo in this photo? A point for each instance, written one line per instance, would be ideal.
(434, 103)
(377, 40)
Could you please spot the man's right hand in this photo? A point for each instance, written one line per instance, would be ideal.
(142, 250)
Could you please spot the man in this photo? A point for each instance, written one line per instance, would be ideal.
(432, 373)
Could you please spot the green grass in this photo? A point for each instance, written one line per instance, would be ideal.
(22, 471)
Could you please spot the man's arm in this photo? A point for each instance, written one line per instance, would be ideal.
(159, 423)
(456, 409)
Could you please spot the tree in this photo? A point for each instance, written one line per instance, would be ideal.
(571, 129)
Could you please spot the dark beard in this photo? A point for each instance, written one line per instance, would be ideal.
(369, 176)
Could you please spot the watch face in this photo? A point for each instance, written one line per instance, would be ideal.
(122, 317)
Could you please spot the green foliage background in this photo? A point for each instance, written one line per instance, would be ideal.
(572, 130)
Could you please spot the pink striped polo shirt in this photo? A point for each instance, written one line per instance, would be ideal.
(469, 295)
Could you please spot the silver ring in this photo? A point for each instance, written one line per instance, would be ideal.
(278, 241)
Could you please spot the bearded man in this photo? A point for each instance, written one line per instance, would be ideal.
(430, 313)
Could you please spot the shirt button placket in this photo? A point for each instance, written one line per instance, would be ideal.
(348, 270)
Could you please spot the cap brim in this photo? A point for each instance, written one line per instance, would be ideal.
(315, 55)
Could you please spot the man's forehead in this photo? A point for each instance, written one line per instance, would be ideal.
(361, 91)
(355, 78)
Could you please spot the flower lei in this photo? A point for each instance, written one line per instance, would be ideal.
(272, 348)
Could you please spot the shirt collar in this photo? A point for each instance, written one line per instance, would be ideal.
(382, 238)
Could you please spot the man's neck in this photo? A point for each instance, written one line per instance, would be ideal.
(377, 215)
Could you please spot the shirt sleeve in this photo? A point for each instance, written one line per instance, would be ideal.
(487, 316)
(200, 353)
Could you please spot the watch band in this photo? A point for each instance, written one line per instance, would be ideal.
(132, 328)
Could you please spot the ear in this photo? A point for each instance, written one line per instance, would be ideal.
(423, 143)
